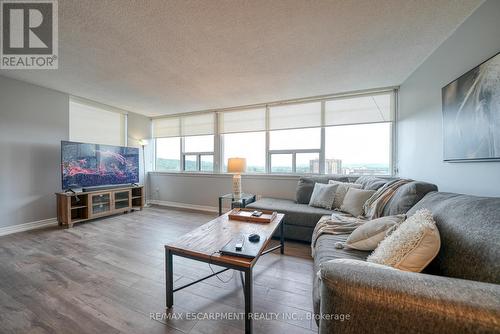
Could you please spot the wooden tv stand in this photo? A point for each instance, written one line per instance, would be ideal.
(79, 207)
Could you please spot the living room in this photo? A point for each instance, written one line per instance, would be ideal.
(258, 167)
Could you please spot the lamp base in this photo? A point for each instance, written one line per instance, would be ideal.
(237, 186)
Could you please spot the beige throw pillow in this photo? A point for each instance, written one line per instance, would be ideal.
(342, 191)
(354, 201)
(412, 246)
(370, 234)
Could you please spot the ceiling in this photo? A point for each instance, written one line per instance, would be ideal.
(160, 57)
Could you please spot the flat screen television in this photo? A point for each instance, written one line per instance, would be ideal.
(91, 165)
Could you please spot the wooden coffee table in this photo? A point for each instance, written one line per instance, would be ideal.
(203, 244)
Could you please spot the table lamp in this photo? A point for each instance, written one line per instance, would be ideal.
(236, 166)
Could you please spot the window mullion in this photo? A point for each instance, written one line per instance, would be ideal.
(268, 155)
(322, 144)
(183, 165)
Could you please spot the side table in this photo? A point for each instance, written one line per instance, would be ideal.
(241, 202)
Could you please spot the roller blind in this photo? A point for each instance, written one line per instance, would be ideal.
(167, 127)
(249, 120)
(361, 109)
(190, 125)
(294, 116)
(202, 124)
(90, 124)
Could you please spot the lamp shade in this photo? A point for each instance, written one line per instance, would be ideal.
(236, 165)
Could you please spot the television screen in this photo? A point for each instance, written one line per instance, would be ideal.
(89, 165)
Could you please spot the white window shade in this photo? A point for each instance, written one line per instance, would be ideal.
(195, 125)
(293, 116)
(167, 127)
(90, 124)
(249, 120)
(362, 109)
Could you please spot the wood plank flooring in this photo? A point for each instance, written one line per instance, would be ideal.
(107, 276)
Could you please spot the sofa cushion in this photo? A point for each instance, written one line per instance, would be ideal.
(367, 236)
(295, 214)
(323, 195)
(412, 246)
(342, 189)
(470, 240)
(355, 200)
(305, 186)
(325, 251)
(407, 196)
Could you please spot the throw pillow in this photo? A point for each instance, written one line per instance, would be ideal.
(341, 191)
(412, 246)
(370, 234)
(354, 201)
(323, 195)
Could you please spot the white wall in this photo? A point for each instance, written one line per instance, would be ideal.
(420, 137)
(204, 190)
(33, 121)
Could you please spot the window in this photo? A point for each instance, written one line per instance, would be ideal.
(281, 163)
(295, 139)
(198, 153)
(350, 135)
(185, 143)
(295, 151)
(249, 145)
(168, 154)
(91, 123)
(243, 136)
(363, 149)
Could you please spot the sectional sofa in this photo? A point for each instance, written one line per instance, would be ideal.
(458, 292)
(300, 218)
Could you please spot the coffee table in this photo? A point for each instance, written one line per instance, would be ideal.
(203, 243)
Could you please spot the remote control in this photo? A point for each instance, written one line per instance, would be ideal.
(239, 244)
(256, 213)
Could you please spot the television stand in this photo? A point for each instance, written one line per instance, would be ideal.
(83, 206)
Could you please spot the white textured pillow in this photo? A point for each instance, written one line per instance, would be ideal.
(370, 234)
(323, 195)
(342, 189)
(412, 246)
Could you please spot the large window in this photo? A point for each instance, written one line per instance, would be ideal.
(185, 143)
(168, 153)
(249, 145)
(198, 153)
(92, 123)
(363, 149)
(349, 135)
(295, 151)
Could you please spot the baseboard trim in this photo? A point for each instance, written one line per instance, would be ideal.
(27, 226)
(203, 208)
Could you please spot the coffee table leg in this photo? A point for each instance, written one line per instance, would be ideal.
(248, 300)
(169, 278)
(282, 237)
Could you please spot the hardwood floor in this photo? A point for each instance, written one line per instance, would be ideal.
(107, 276)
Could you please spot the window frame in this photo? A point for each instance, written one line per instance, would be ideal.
(218, 152)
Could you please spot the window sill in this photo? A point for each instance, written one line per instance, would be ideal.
(226, 175)
(248, 175)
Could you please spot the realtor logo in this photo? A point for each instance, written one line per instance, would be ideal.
(29, 36)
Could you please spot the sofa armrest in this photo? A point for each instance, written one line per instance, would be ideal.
(377, 299)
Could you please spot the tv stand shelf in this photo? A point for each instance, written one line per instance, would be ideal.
(79, 207)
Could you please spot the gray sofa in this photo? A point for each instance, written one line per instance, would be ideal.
(300, 218)
(459, 291)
